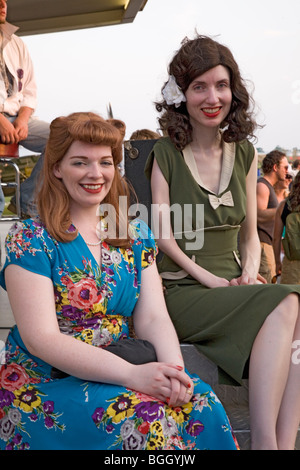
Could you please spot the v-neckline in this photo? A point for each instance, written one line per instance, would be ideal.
(228, 150)
(98, 264)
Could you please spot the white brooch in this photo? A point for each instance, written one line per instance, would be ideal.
(172, 93)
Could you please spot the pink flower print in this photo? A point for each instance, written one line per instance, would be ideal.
(84, 294)
(13, 377)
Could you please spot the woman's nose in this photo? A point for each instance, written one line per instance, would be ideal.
(212, 96)
(95, 171)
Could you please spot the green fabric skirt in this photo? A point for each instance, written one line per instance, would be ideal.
(223, 322)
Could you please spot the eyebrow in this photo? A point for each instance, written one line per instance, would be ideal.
(86, 158)
(200, 82)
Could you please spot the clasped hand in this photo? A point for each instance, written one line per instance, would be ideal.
(13, 133)
(245, 279)
(166, 382)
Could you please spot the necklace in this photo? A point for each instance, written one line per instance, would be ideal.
(93, 244)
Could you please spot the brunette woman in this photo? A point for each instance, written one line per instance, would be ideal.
(213, 292)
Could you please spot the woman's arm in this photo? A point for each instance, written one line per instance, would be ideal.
(32, 300)
(249, 246)
(152, 322)
(166, 240)
(277, 235)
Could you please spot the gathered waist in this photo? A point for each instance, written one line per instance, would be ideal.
(218, 253)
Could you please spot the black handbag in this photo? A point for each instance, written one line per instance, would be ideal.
(135, 351)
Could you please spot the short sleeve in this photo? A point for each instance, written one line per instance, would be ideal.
(247, 152)
(28, 245)
(166, 155)
(144, 244)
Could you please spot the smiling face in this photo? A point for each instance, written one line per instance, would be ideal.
(87, 171)
(282, 169)
(209, 98)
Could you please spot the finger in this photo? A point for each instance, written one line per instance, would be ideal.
(185, 396)
(180, 393)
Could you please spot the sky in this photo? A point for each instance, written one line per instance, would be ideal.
(126, 65)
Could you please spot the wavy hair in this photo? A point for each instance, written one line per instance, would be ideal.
(53, 200)
(272, 158)
(293, 200)
(194, 58)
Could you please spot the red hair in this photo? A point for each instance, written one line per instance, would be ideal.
(53, 198)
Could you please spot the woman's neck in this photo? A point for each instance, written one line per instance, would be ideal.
(85, 217)
(205, 139)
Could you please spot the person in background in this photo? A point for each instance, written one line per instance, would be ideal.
(144, 134)
(73, 379)
(282, 188)
(275, 168)
(214, 295)
(18, 100)
(295, 167)
(289, 267)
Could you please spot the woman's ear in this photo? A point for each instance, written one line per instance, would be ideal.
(56, 170)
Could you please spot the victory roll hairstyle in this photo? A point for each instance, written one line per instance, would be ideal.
(53, 199)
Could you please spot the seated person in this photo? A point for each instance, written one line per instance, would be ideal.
(73, 285)
(18, 99)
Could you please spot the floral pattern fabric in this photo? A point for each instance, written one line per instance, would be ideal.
(93, 304)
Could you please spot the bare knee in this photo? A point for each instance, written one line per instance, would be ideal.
(288, 310)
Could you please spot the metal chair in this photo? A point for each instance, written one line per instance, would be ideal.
(8, 155)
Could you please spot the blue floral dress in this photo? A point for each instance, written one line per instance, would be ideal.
(93, 304)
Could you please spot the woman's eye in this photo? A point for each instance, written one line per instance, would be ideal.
(224, 85)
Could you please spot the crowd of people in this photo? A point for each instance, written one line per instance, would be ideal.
(275, 189)
(74, 376)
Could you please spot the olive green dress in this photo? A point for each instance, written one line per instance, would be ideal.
(224, 321)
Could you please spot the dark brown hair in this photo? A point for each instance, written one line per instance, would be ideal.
(272, 158)
(293, 199)
(53, 197)
(194, 58)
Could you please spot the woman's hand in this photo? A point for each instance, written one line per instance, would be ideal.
(246, 279)
(211, 281)
(180, 394)
(165, 382)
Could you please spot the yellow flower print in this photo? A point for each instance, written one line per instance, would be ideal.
(157, 439)
(87, 336)
(122, 408)
(64, 298)
(114, 324)
(27, 399)
(147, 258)
(180, 413)
(127, 254)
(99, 308)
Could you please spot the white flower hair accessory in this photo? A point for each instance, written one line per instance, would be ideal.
(172, 93)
